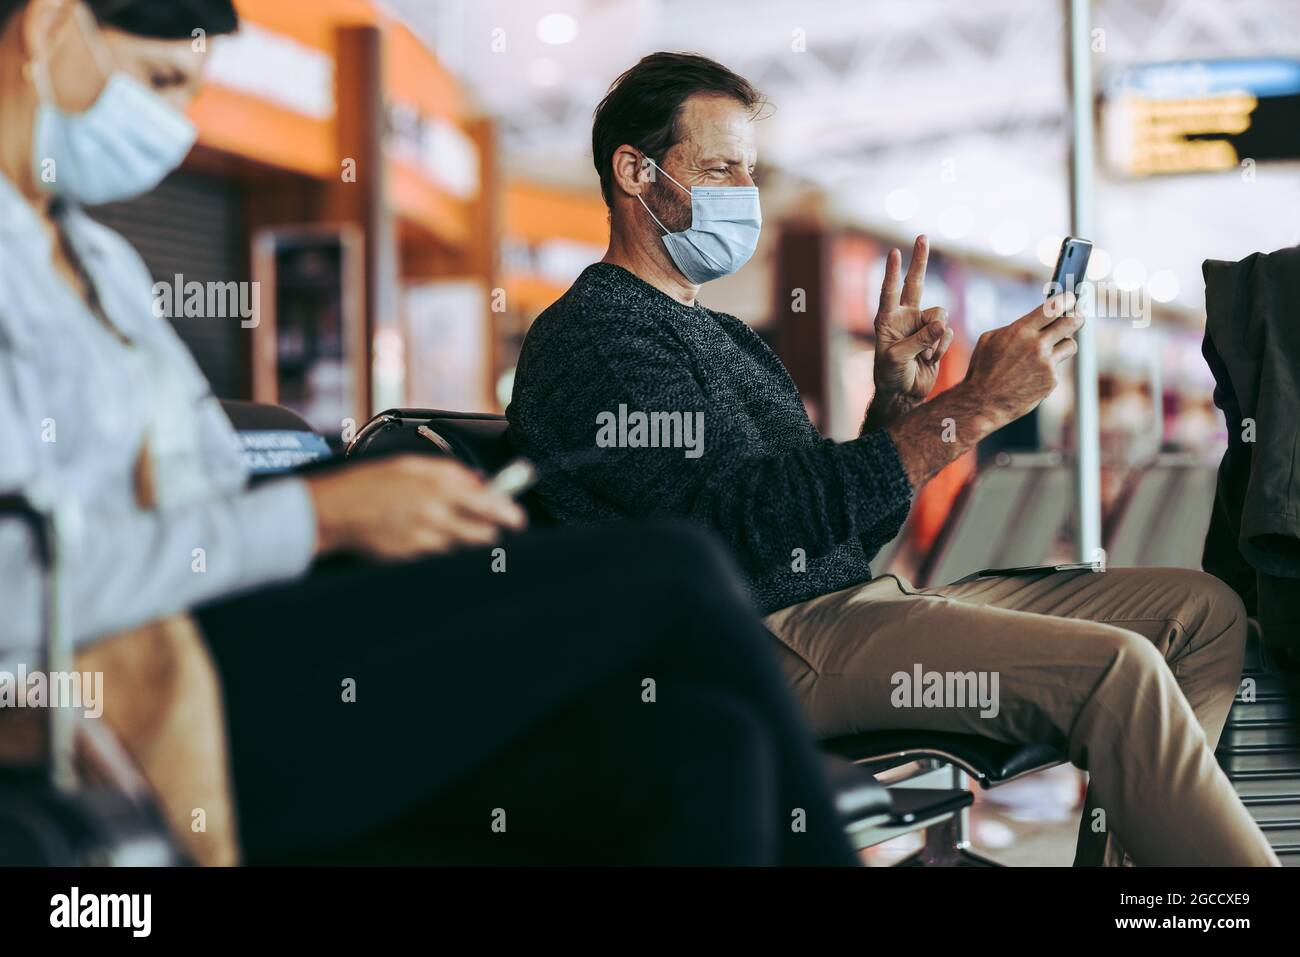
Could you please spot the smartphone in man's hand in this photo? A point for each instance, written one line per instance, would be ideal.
(1071, 266)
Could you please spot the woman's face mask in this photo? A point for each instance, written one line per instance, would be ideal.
(122, 147)
(725, 222)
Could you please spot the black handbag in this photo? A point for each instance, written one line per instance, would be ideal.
(51, 814)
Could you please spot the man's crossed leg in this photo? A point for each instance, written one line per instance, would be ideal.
(1131, 672)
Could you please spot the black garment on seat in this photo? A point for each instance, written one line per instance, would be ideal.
(1252, 345)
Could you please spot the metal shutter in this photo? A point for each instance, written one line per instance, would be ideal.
(191, 225)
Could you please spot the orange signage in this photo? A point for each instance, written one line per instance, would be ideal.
(270, 98)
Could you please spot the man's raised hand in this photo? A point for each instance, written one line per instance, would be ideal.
(910, 341)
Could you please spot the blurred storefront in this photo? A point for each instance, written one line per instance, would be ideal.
(549, 235)
(406, 214)
(339, 172)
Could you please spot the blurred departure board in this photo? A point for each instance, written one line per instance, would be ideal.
(1201, 115)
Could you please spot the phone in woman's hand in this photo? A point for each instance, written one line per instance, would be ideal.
(515, 478)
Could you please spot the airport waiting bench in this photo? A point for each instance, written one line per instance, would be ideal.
(1008, 515)
(1013, 511)
(934, 800)
(1259, 750)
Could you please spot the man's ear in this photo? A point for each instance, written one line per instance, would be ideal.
(631, 170)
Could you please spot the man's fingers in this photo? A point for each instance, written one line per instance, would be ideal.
(929, 317)
(1048, 312)
(936, 314)
(1064, 349)
(1063, 328)
(890, 288)
(942, 348)
(914, 284)
(1058, 305)
(929, 337)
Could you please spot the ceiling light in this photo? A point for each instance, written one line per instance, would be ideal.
(1010, 237)
(1049, 250)
(1130, 274)
(557, 28)
(544, 72)
(956, 221)
(1163, 285)
(901, 204)
(1099, 264)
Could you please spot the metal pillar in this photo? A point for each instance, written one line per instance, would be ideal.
(1087, 479)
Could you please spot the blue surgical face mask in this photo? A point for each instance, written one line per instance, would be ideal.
(120, 148)
(725, 221)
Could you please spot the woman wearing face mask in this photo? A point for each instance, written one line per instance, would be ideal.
(523, 698)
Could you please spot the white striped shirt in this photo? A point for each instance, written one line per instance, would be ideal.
(78, 402)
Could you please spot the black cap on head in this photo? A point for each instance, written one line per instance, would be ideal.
(157, 19)
(167, 19)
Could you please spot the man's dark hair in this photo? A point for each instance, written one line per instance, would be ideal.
(642, 106)
(158, 19)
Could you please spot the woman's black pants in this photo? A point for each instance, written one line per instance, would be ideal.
(593, 696)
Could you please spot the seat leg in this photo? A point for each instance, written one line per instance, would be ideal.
(947, 844)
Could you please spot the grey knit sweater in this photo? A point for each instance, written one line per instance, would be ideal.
(803, 515)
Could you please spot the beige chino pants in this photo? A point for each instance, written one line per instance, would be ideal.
(1130, 671)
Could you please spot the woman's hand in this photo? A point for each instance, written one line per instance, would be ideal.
(408, 506)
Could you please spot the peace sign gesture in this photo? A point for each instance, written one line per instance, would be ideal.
(910, 341)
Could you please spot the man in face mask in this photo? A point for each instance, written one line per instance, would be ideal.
(710, 229)
(1132, 672)
(698, 217)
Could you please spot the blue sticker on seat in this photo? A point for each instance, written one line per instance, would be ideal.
(267, 451)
